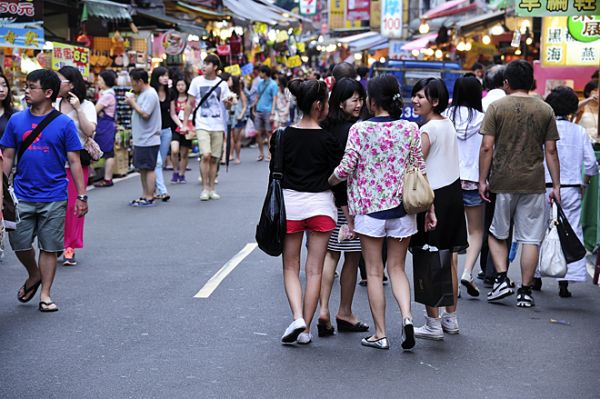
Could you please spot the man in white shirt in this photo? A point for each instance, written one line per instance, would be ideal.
(494, 83)
(209, 121)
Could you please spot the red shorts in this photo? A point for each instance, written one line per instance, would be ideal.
(316, 223)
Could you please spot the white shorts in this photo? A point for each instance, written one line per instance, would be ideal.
(396, 228)
(527, 213)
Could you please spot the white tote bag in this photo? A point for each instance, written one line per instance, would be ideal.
(552, 260)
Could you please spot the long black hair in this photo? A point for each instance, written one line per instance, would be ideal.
(73, 75)
(157, 73)
(384, 90)
(344, 89)
(467, 93)
(7, 102)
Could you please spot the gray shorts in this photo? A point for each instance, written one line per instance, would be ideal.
(262, 122)
(527, 212)
(44, 220)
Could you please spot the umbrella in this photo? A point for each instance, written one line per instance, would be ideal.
(227, 147)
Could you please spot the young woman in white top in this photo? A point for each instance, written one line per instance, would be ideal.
(575, 153)
(72, 103)
(440, 149)
(466, 114)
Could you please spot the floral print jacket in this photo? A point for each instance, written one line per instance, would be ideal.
(376, 157)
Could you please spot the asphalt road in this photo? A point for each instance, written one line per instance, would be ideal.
(130, 327)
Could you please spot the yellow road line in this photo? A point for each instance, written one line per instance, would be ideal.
(224, 271)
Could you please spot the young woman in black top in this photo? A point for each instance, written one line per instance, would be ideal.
(6, 107)
(310, 154)
(345, 105)
(159, 80)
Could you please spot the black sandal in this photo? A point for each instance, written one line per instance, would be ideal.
(45, 309)
(345, 326)
(325, 331)
(33, 289)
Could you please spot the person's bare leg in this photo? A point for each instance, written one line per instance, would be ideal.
(291, 272)
(331, 260)
(205, 171)
(185, 157)
(144, 179)
(371, 249)
(109, 166)
(237, 143)
(529, 261)
(260, 134)
(396, 263)
(348, 286)
(317, 248)
(175, 155)
(499, 252)
(150, 176)
(212, 173)
(454, 266)
(47, 262)
(475, 226)
(27, 259)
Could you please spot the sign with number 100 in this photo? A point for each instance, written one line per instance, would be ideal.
(391, 18)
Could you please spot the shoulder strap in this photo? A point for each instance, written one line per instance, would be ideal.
(36, 132)
(278, 156)
(205, 97)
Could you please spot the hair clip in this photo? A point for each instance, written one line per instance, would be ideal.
(397, 97)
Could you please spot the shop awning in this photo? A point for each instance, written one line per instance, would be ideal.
(250, 10)
(203, 11)
(293, 17)
(450, 8)
(176, 23)
(110, 10)
(363, 41)
(480, 21)
(419, 43)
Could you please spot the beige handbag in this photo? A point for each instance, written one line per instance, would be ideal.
(417, 194)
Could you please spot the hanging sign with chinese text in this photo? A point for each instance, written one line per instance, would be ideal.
(67, 55)
(21, 24)
(560, 48)
(542, 8)
(337, 13)
(308, 7)
(358, 10)
(584, 28)
(234, 70)
(391, 18)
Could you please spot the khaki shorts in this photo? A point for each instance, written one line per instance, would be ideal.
(527, 213)
(44, 220)
(210, 142)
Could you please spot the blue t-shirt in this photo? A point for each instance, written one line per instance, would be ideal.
(41, 174)
(269, 90)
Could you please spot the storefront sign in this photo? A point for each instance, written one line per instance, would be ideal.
(174, 42)
(294, 62)
(375, 20)
(308, 7)
(584, 28)
(560, 48)
(67, 55)
(337, 13)
(395, 49)
(234, 70)
(391, 18)
(21, 24)
(540, 8)
(358, 10)
(247, 69)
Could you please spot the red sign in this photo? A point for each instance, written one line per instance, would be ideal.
(358, 10)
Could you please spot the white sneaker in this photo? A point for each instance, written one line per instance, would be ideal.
(214, 195)
(431, 330)
(291, 333)
(205, 196)
(450, 323)
(304, 338)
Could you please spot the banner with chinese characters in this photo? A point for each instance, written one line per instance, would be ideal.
(375, 22)
(21, 24)
(308, 7)
(234, 70)
(64, 54)
(391, 18)
(337, 13)
(561, 48)
(358, 10)
(543, 8)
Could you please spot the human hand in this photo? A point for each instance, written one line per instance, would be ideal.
(484, 191)
(74, 101)
(81, 208)
(430, 220)
(555, 195)
(351, 227)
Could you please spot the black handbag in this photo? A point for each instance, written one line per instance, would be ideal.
(10, 212)
(572, 247)
(432, 273)
(271, 228)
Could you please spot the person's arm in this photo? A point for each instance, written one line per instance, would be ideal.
(590, 164)
(136, 107)
(187, 112)
(74, 159)
(99, 107)
(425, 144)
(244, 104)
(554, 169)
(485, 164)
(87, 119)
(274, 106)
(174, 116)
(8, 156)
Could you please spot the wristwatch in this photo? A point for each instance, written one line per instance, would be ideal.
(83, 198)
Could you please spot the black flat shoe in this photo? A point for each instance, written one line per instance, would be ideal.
(537, 284)
(28, 293)
(325, 331)
(344, 326)
(563, 291)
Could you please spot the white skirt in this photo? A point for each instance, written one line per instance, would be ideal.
(301, 205)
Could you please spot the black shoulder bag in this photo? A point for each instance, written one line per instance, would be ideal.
(9, 203)
(571, 246)
(271, 228)
(204, 98)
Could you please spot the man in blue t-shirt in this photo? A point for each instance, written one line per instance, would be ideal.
(40, 184)
(266, 100)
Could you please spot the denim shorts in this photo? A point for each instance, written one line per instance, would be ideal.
(471, 198)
